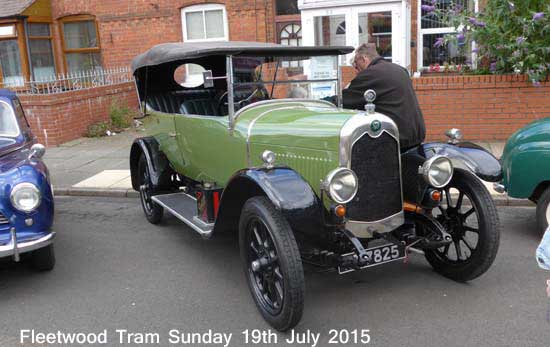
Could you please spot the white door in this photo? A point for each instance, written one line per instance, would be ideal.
(385, 24)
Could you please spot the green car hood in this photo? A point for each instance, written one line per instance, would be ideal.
(296, 125)
(304, 136)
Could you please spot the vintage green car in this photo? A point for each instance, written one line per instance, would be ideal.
(526, 168)
(239, 140)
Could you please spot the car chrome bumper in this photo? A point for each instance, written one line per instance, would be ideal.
(366, 229)
(13, 248)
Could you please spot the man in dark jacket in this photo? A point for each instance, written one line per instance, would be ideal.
(395, 96)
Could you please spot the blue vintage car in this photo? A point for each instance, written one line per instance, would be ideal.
(26, 199)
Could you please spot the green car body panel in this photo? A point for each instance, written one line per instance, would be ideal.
(526, 159)
(305, 136)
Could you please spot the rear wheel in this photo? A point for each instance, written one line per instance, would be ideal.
(469, 215)
(153, 212)
(543, 211)
(43, 259)
(272, 263)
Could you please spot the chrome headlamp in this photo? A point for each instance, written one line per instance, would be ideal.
(437, 171)
(341, 185)
(25, 197)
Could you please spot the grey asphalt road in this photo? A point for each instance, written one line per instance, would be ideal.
(116, 271)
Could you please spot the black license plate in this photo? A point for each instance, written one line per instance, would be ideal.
(379, 255)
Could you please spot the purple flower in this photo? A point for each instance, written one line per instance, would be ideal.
(439, 42)
(460, 37)
(520, 40)
(472, 20)
(536, 83)
(493, 66)
(480, 24)
(538, 16)
(475, 50)
(428, 8)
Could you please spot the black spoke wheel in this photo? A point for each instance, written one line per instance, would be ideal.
(272, 263)
(153, 212)
(469, 215)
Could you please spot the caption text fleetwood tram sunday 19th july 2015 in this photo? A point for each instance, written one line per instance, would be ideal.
(343, 337)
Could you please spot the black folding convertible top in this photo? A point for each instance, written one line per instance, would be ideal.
(170, 52)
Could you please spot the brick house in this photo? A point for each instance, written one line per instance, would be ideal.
(43, 37)
(39, 38)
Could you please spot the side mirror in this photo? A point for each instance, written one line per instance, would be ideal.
(207, 78)
(37, 151)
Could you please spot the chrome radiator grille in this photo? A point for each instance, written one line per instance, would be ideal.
(3, 219)
(376, 163)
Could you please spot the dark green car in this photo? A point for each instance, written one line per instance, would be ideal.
(526, 168)
(239, 140)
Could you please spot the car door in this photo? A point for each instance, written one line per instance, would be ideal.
(210, 152)
(162, 127)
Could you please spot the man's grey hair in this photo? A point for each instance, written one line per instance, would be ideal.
(297, 92)
(368, 50)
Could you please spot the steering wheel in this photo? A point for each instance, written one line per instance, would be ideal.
(222, 100)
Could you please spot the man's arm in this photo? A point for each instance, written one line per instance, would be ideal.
(353, 95)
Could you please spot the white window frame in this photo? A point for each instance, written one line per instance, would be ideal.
(5, 31)
(400, 19)
(443, 31)
(204, 8)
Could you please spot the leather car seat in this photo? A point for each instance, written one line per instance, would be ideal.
(204, 107)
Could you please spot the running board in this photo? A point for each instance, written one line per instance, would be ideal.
(184, 207)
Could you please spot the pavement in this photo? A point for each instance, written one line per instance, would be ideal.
(116, 271)
(93, 166)
(100, 167)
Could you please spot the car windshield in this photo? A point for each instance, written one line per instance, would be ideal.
(8, 122)
(285, 77)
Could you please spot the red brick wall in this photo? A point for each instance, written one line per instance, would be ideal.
(63, 117)
(485, 108)
(128, 28)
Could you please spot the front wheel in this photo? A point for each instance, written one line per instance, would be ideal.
(469, 215)
(272, 263)
(543, 211)
(43, 259)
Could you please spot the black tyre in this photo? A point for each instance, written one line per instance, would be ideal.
(153, 212)
(543, 211)
(43, 259)
(469, 214)
(272, 263)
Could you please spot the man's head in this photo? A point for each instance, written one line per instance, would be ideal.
(364, 54)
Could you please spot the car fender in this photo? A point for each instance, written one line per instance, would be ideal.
(467, 156)
(25, 170)
(159, 167)
(525, 170)
(285, 188)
